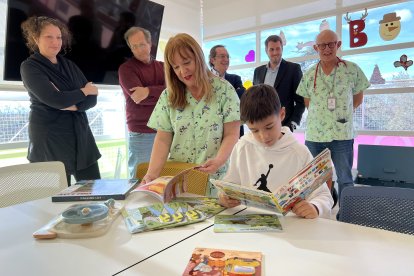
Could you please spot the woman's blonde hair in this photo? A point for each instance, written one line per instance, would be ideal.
(34, 25)
(185, 45)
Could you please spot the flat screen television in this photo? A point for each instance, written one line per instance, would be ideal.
(97, 27)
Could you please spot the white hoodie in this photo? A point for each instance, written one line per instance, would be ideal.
(250, 158)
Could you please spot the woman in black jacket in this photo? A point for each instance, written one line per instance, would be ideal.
(59, 95)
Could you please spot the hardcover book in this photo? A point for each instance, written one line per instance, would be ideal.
(299, 187)
(208, 261)
(247, 223)
(99, 189)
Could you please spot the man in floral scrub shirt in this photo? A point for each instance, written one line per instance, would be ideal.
(332, 89)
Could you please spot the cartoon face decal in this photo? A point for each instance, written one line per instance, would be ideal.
(390, 26)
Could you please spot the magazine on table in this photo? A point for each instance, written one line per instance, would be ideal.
(299, 187)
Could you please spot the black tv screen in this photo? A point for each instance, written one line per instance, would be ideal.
(97, 27)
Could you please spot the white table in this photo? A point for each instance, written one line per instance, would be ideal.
(21, 254)
(305, 247)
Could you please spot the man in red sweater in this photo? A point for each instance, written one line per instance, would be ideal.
(142, 81)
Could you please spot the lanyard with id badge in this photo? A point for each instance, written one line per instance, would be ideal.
(331, 102)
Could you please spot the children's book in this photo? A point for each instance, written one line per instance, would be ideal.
(299, 187)
(247, 223)
(208, 261)
(208, 205)
(161, 216)
(166, 188)
(99, 189)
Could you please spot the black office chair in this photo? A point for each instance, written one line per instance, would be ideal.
(388, 208)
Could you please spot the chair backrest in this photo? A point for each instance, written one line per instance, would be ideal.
(26, 182)
(197, 181)
(388, 208)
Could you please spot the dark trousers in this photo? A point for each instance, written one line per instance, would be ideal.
(90, 173)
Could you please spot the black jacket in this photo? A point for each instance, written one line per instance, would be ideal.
(55, 134)
(287, 81)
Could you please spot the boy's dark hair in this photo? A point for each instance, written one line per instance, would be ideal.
(258, 103)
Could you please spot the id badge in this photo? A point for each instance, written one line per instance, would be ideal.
(331, 103)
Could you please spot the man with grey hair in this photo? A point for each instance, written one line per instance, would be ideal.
(142, 81)
(219, 61)
(332, 90)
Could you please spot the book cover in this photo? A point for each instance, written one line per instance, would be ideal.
(208, 261)
(166, 188)
(161, 216)
(99, 189)
(299, 187)
(247, 223)
(208, 205)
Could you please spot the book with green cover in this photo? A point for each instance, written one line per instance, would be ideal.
(161, 216)
(208, 205)
(99, 189)
(247, 223)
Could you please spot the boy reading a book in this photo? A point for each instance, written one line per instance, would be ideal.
(269, 156)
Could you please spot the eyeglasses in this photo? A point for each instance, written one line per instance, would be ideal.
(222, 56)
(331, 45)
(138, 46)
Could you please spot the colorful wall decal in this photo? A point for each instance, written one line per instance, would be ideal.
(403, 62)
(390, 26)
(251, 56)
(357, 38)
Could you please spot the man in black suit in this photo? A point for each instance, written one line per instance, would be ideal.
(284, 76)
(219, 63)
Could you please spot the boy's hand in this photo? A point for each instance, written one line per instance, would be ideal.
(227, 202)
(305, 209)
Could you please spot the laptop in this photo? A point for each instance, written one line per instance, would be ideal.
(385, 166)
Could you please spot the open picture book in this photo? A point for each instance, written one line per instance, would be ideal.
(299, 187)
(166, 188)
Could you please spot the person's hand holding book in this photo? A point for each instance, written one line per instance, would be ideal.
(228, 202)
(305, 209)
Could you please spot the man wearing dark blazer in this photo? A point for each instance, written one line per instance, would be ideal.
(284, 76)
(219, 61)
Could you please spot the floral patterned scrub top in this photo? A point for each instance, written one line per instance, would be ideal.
(324, 125)
(198, 128)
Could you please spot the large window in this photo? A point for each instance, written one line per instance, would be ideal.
(298, 39)
(389, 102)
(242, 48)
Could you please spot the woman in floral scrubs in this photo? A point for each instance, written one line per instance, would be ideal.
(197, 116)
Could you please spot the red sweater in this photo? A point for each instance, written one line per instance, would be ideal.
(134, 73)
